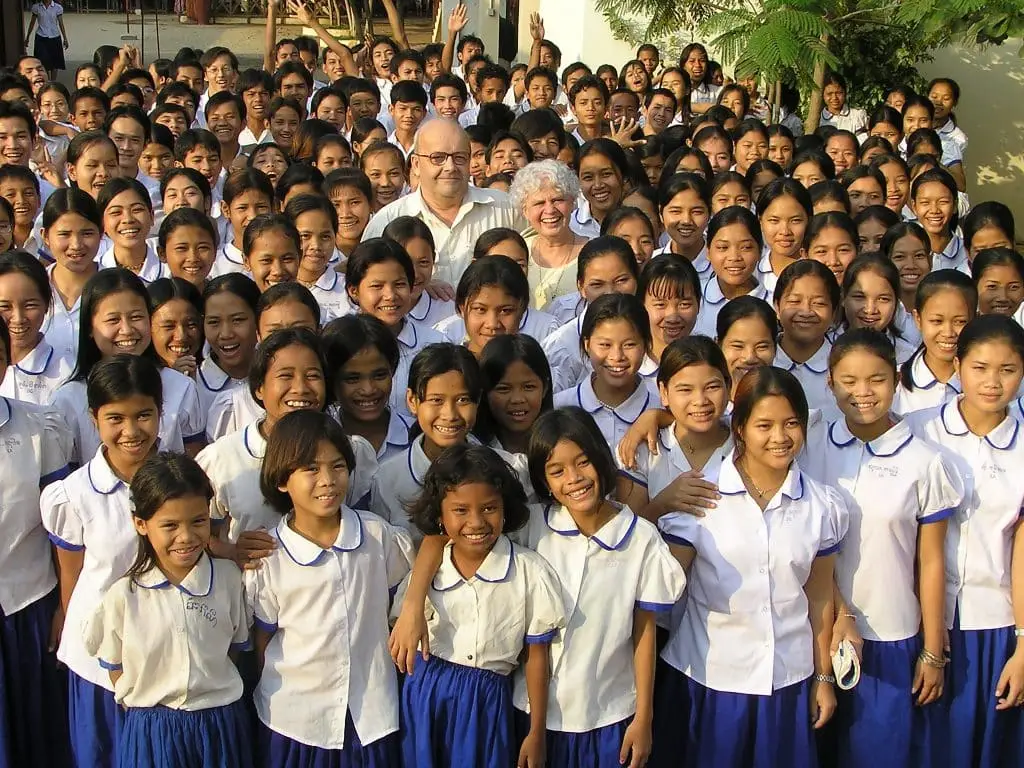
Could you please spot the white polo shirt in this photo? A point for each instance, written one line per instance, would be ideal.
(534, 323)
(411, 339)
(562, 346)
(655, 472)
(182, 419)
(892, 486)
(953, 256)
(615, 421)
(702, 263)
(337, 664)
(212, 380)
(329, 292)
(34, 455)
(482, 210)
(904, 321)
(951, 135)
(513, 599)
(765, 274)
(229, 259)
(847, 119)
(979, 540)
(928, 391)
(152, 268)
(171, 641)
(428, 311)
(37, 376)
(230, 411)
(713, 301)
(605, 579)
(89, 510)
(813, 377)
(60, 326)
(746, 627)
(582, 221)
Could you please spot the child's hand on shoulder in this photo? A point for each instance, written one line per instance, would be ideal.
(253, 546)
(532, 752)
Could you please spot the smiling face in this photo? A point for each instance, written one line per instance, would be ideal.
(364, 385)
(616, 351)
(294, 382)
(940, 321)
(120, 324)
(863, 385)
(913, 259)
(733, 253)
(89, 114)
(834, 248)
(489, 313)
(750, 147)
(507, 156)
(685, 218)
(316, 237)
(871, 302)
(95, 167)
(548, 211)
(73, 241)
(353, 209)
(387, 177)
(805, 311)
(24, 310)
(696, 396)
(273, 258)
(748, 344)
(128, 429)
(178, 532)
(516, 400)
(176, 329)
(283, 125)
(472, 516)
(24, 199)
(189, 254)
(53, 106)
(1000, 290)
(990, 374)
(226, 123)
(673, 313)
(384, 292)
(317, 490)
(772, 436)
(934, 205)
(127, 220)
(573, 479)
(834, 96)
(15, 141)
(229, 326)
(446, 413)
(783, 223)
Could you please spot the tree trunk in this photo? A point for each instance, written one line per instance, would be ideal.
(815, 101)
(777, 101)
(355, 22)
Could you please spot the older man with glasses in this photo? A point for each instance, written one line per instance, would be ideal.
(456, 213)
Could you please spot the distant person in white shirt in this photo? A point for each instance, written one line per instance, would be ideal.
(173, 689)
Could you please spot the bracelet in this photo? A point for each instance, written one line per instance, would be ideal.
(825, 679)
(931, 659)
(847, 616)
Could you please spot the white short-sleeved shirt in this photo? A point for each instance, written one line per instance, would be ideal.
(582, 222)
(746, 627)
(229, 259)
(702, 264)
(481, 211)
(711, 304)
(329, 292)
(891, 485)
(483, 622)
(152, 268)
(562, 346)
(848, 119)
(953, 256)
(928, 391)
(813, 377)
(211, 381)
(37, 376)
(428, 311)
(34, 455)
(567, 308)
(60, 326)
(979, 540)
(904, 322)
(765, 274)
(705, 93)
(605, 579)
(47, 18)
(171, 641)
(615, 421)
(182, 419)
(328, 612)
(536, 324)
(657, 471)
(953, 137)
(90, 510)
(411, 339)
(230, 411)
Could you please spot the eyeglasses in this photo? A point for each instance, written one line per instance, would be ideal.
(440, 158)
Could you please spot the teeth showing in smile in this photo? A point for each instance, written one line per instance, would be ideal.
(448, 430)
(476, 537)
(580, 493)
(178, 349)
(299, 403)
(126, 344)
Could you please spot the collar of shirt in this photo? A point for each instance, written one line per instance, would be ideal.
(328, 281)
(953, 253)
(895, 439)
(5, 412)
(36, 361)
(648, 368)
(233, 253)
(152, 268)
(925, 379)
(253, 441)
(844, 112)
(197, 583)
(408, 337)
(628, 411)
(101, 476)
(212, 375)
(613, 535)
(817, 363)
(305, 552)
(417, 461)
(496, 567)
(1002, 438)
(670, 444)
(421, 309)
(713, 292)
(731, 484)
(398, 433)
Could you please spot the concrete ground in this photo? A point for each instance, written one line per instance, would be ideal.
(88, 31)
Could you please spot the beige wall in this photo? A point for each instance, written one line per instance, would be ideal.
(991, 112)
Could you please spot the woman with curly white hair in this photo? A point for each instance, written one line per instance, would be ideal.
(546, 192)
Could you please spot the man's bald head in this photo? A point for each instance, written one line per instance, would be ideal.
(434, 133)
(443, 185)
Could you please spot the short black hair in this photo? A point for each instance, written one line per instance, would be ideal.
(268, 348)
(577, 426)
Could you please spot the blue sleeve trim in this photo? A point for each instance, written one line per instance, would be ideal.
(245, 645)
(654, 607)
(109, 666)
(954, 162)
(936, 517)
(630, 476)
(199, 437)
(58, 541)
(669, 538)
(828, 550)
(52, 477)
(543, 639)
(266, 626)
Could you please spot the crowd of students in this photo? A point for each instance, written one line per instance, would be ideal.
(400, 408)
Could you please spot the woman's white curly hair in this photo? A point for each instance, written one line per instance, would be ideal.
(541, 174)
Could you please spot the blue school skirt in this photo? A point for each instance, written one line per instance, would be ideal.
(598, 748)
(278, 751)
(880, 715)
(697, 727)
(95, 720)
(456, 716)
(978, 734)
(32, 690)
(160, 737)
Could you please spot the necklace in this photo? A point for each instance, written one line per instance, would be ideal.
(750, 481)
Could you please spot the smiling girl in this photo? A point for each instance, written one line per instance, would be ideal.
(906, 244)
(492, 297)
(871, 289)
(187, 244)
(176, 324)
(92, 162)
(933, 199)
(317, 224)
(783, 208)
(384, 164)
(271, 248)
(415, 236)
(229, 327)
(998, 274)
(670, 288)
(517, 390)
(603, 168)
(127, 220)
(831, 238)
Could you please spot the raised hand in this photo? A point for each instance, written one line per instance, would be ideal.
(458, 20)
(536, 26)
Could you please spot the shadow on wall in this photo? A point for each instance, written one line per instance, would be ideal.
(991, 112)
